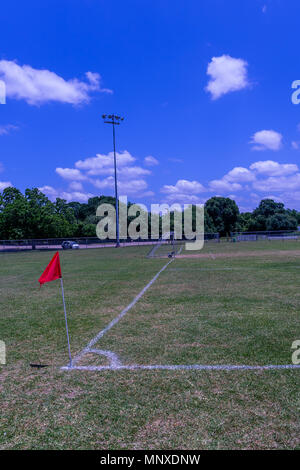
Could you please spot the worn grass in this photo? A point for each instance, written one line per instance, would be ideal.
(242, 310)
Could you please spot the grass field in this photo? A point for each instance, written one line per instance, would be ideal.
(237, 305)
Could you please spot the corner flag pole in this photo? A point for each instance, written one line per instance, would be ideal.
(51, 273)
(63, 296)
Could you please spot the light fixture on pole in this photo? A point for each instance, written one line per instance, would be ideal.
(114, 120)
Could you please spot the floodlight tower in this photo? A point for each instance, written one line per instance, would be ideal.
(114, 120)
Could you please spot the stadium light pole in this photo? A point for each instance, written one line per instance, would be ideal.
(114, 120)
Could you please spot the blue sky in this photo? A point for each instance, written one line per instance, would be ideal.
(205, 88)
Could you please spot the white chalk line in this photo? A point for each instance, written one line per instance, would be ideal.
(184, 367)
(90, 345)
(114, 359)
(116, 364)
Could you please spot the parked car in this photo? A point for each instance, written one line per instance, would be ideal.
(69, 245)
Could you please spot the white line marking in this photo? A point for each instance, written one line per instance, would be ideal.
(114, 359)
(185, 367)
(121, 315)
(115, 363)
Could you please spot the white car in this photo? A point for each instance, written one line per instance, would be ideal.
(69, 245)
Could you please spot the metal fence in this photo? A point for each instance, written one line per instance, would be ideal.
(94, 242)
(56, 243)
(83, 242)
(265, 235)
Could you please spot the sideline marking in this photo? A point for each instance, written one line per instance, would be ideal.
(116, 364)
(88, 348)
(184, 367)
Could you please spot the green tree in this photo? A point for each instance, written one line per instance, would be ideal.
(245, 221)
(281, 222)
(14, 213)
(223, 213)
(267, 209)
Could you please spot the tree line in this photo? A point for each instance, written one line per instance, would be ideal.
(32, 215)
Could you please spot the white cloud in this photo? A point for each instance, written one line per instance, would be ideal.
(7, 128)
(275, 198)
(130, 177)
(70, 174)
(271, 168)
(239, 174)
(102, 163)
(124, 187)
(49, 191)
(183, 187)
(266, 140)
(5, 184)
(183, 192)
(279, 183)
(53, 193)
(76, 196)
(36, 86)
(151, 161)
(263, 179)
(76, 186)
(129, 172)
(223, 185)
(231, 181)
(182, 199)
(227, 74)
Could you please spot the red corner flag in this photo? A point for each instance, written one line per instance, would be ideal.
(52, 271)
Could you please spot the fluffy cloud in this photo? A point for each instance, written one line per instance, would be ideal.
(184, 187)
(183, 192)
(224, 186)
(130, 177)
(53, 193)
(266, 140)
(258, 181)
(232, 180)
(150, 161)
(271, 168)
(70, 174)
(7, 128)
(4, 184)
(76, 186)
(36, 87)
(125, 187)
(101, 164)
(227, 74)
(239, 174)
(279, 183)
(129, 172)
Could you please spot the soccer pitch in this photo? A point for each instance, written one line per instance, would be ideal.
(233, 304)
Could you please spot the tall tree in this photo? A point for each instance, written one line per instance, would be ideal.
(224, 214)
